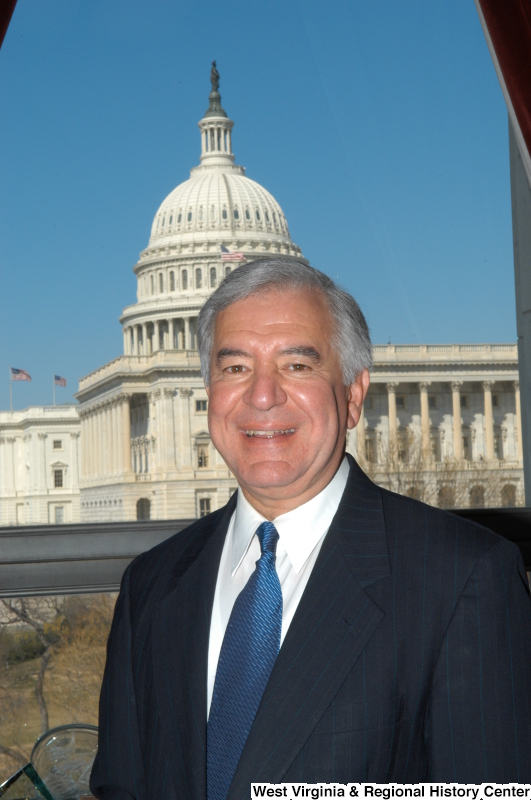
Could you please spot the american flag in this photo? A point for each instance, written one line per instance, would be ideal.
(58, 381)
(20, 375)
(226, 255)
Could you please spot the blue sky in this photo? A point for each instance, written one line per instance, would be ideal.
(379, 127)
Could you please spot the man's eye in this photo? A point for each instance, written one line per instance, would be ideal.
(297, 367)
(235, 369)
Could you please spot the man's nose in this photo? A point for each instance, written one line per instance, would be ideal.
(265, 391)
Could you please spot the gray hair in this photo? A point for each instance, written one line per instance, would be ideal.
(351, 338)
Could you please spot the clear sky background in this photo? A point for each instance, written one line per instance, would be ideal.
(378, 126)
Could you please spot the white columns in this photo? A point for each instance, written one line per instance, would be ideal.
(516, 386)
(458, 432)
(425, 419)
(393, 439)
(489, 419)
(126, 433)
(360, 430)
(171, 334)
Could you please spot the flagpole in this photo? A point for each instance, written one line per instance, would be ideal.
(10, 390)
(53, 382)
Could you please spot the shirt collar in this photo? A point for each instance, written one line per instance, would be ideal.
(299, 530)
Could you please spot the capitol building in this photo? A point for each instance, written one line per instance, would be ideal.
(441, 422)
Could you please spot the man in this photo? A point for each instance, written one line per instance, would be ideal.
(317, 628)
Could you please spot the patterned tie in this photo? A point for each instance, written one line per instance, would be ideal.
(248, 653)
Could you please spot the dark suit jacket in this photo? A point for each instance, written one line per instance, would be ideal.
(408, 660)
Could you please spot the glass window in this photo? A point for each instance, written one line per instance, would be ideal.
(171, 219)
(184, 279)
(59, 515)
(57, 444)
(236, 214)
(508, 496)
(200, 406)
(179, 219)
(163, 221)
(200, 214)
(189, 217)
(143, 508)
(224, 213)
(198, 279)
(202, 456)
(274, 217)
(204, 506)
(464, 401)
(212, 213)
(152, 284)
(494, 399)
(227, 271)
(172, 281)
(477, 497)
(213, 276)
(257, 215)
(432, 403)
(400, 401)
(58, 478)
(161, 282)
(267, 215)
(247, 214)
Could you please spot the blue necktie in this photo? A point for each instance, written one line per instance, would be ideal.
(247, 656)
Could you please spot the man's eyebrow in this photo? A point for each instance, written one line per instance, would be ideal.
(304, 350)
(230, 352)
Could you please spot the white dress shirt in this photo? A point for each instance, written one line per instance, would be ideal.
(301, 533)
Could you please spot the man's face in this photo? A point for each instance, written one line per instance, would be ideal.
(278, 410)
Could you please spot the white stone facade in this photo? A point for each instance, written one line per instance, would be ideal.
(39, 465)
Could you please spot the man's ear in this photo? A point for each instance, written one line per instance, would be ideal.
(357, 393)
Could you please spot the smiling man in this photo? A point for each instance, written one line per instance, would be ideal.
(318, 628)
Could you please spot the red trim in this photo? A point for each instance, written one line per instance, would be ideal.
(6, 12)
(509, 24)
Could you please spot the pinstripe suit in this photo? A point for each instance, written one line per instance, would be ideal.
(408, 659)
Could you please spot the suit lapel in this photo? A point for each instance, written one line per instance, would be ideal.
(181, 629)
(332, 625)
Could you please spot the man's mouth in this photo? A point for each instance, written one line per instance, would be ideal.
(268, 434)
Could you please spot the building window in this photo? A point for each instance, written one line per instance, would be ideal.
(143, 508)
(401, 401)
(495, 400)
(59, 515)
(432, 402)
(477, 497)
(257, 215)
(152, 284)
(267, 216)
(172, 281)
(274, 218)
(212, 213)
(179, 219)
(205, 506)
(161, 282)
(236, 214)
(498, 453)
(227, 271)
(202, 456)
(224, 214)
(466, 447)
(57, 444)
(189, 217)
(201, 406)
(368, 403)
(198, 279)
(508, 496)
(213, 276)
(446, 497)
(247, 214)
(464, 401)
(171, 219)
(163, 221)
(184, 279)
(200, 214)
(58, 478)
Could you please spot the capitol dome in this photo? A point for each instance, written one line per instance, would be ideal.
(205, 227)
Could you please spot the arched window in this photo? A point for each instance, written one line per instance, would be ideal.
(446, 497)
(184, 279)
(152, 284)
(161, 282)
(227, 271)
(224, 213)
(179, 218)
(171, 219)
(200, 214)
(189, 217)
(163, 221)
(236, 214)
(212, 213)
(267, 215)
(213, 276)
(172, 281)
(477, 497)
(508, 496)
(257, 215)
(143, 508)
(198, 279)
(247, 214)
(274, 217)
